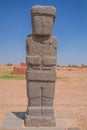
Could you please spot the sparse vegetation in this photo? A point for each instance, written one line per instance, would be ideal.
(62, 78)
(12, 77)
(7, 74)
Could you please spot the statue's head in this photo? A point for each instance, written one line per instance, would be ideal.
(42, 20)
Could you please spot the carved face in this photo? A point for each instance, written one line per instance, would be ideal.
(42, 24)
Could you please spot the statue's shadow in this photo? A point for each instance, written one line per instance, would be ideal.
(20, 115)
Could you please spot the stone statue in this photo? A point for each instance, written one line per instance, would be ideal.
(41, 49)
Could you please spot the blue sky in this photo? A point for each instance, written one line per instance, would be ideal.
(70, 27)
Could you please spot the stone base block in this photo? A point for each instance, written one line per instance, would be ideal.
(40, 111)
(40, 122)
(40, 117)
(15, 121)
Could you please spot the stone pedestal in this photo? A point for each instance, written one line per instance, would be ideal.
(41, 49)
(15, 121)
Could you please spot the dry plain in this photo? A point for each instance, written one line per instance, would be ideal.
(70, 95)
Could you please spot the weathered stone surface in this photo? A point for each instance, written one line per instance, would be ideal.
(41, 50)
(41, 93)
(41, 46)
(49, 61)
(36, 102)
(41, 76)
(34, 111)
(45, 21)
(40, 121)
(43, 10)
(47, 102)
(50, 68)
(34, 60)
(42, 20)
(40, 111)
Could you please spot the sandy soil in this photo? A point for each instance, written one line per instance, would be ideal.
(70, 96)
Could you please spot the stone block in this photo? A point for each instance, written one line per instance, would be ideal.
(31, 121)
(41, 47)
(42, 25)
(34, 89)
(34, 93)
(34, 60)
(48, 10)
(47, 111)
(42, 20)
(40, 111)
(50, 68)
(40, 93)
(28, 44)
(48, 90)
(48, 50)
(34, 46)
(31, 67)
(41, 76)
(36, 102)
(51, 41)
(34, 111)
(49, 47)
(49, 61)
(47, 102)
(46, 68)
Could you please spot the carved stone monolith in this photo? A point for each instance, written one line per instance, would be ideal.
(41, 48)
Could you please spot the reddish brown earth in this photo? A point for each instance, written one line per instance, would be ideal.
(70, 96)
(19, 70)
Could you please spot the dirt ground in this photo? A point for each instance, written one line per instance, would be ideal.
(70, 96)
